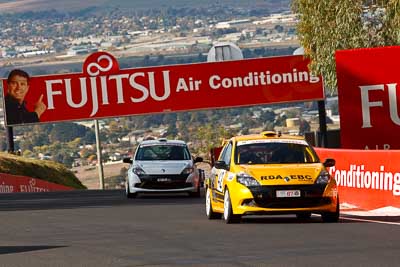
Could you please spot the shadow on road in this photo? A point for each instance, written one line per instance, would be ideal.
(88, 199)
(19, 249)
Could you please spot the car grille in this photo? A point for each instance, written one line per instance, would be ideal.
(173, 182)
(311, 196)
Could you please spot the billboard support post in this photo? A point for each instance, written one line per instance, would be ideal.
(10, 139)
(323, 139)
(99, 157)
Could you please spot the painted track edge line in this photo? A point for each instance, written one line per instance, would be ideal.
(366, 220)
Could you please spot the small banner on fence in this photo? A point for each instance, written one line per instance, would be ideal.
(366, 179)
(15, 183)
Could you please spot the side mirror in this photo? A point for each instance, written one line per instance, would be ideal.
(219, 164)
(329, 163)
(127, 160)
(198, 159)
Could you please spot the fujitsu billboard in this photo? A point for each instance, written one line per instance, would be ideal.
(103, 90)
(368, 91)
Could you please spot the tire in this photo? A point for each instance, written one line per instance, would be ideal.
(332, 217)
(211, 215)
(229, 217)
(303, 216)
(128, 193)
(195, 194)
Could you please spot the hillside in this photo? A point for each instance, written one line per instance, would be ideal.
(42, 169)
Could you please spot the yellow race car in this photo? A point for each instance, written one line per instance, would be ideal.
(270, 173)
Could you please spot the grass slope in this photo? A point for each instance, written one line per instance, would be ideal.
(42, 169)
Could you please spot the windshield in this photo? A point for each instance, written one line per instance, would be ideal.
(163, 152)
(274, 153)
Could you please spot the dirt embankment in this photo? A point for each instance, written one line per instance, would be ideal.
(46, 170)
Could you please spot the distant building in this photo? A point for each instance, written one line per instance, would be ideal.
(35, 53)
(81, 50)
(8, 53)
(139, 33)
(277, 18)
(87, 40)
(228, 24)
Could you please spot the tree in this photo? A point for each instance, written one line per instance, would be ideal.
(392, 23)
(209, 136)
(113, 126)
(304, 126)
(65, 132)
(329, 25)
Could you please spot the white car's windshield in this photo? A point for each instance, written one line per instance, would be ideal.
(162, 152)
(274, 153)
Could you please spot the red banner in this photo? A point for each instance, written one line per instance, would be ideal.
(366, 179)
(368, 81)
(15, 183)
(103, 90)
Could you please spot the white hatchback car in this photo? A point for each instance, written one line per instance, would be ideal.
(163, 166)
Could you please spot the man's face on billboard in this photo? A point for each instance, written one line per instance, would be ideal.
(18, 87)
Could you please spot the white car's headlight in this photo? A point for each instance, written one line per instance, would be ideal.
(323, 178)
(187, 170)
(138, 171)
(246, 180)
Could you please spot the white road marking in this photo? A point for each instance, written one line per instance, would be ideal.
(371, 221)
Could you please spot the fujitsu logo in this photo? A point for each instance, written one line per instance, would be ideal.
(99, 67)
(367, 104)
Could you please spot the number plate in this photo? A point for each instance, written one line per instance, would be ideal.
(163, 180)
(288, 193)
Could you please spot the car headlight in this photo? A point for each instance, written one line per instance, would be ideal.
(138, 171)
(187, 170)
(323, 178)
(246, 180)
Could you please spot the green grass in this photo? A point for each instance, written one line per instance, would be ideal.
(41, 169)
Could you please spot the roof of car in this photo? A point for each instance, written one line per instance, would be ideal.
(162, 141)
(266, 135)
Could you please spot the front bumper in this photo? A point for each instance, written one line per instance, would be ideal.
(163, 183)
(263, 200)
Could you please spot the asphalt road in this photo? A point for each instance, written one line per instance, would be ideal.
(102, 228)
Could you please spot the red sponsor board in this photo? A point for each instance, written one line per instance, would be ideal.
(368, 88)
(15, 183)
(103, 90)
(367, 179)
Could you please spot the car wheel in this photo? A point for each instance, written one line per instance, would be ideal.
(195, 194)
(331, 217)
(303, 216)
(211, 215)
(229, 217)
(128, 193)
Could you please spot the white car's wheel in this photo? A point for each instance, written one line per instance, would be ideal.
(196, 193)
(128, 193)
(209, 211)
(229, 217)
